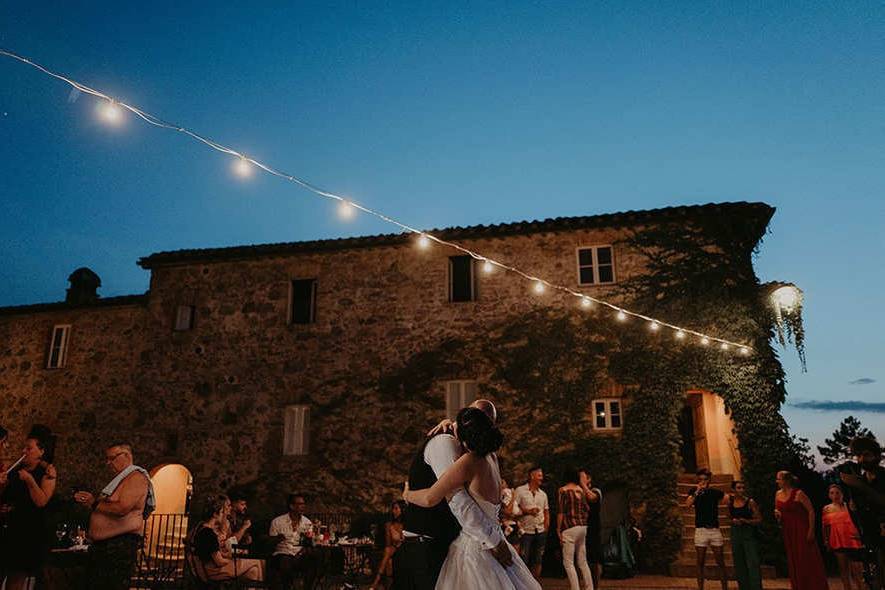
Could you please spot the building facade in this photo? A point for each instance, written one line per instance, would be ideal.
(318, 365)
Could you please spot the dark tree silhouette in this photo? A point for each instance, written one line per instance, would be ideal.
(836, 449)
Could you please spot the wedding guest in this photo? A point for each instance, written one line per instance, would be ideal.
(116, 524)
(393, 538)
(289, 558)
(534, 520)
(238, 523)
(706, 500)
(796, 516)
(509, 512)
(842, 538)
(745, 521)
(594, 530)
(28, 489)
(212, 563)
(571, 527)
(866, 478)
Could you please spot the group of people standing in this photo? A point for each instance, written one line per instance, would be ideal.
(849, 529)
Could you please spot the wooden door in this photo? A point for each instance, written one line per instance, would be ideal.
(702, 456)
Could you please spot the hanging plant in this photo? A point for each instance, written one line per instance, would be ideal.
(786, 301)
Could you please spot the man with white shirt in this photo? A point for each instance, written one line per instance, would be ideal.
(428, 532)
(534, 520)
(289, 557)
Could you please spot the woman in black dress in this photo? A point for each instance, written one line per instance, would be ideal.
(28, 489)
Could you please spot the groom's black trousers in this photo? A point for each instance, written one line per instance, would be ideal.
(416, 565)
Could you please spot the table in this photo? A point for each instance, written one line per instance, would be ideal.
(65, 569)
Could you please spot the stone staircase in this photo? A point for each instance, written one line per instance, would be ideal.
(686, 563)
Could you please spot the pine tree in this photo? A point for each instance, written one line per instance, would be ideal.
(836, 449)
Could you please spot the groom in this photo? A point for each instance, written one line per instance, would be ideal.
(428, 532)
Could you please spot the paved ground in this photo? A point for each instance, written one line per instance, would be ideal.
(668, 583)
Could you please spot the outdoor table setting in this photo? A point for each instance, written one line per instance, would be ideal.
(66, 563)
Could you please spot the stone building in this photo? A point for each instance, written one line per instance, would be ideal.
(318, 365)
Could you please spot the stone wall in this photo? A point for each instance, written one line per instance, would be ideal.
(371, 368)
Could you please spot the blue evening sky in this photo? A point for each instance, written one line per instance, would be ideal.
(449, 113)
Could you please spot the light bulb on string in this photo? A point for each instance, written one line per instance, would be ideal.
(680, 335)
(705, 341)
(110, 112)
(539, 287)
(586, 302)
(745, 351)
(242, 167)
(423, 242)
(622, 317)
(487, 266)
(654, 326)
(724, 346)
(346, 210)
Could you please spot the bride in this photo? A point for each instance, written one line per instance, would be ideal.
(468, 565)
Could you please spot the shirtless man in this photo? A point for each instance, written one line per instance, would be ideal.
(117, 520)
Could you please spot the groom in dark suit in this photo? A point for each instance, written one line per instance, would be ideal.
(428, 532)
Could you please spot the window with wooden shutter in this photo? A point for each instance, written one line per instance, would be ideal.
(58, 347)
(462, 279)
(459, 394)
(302, 301)
(296, 430)
(184, 318)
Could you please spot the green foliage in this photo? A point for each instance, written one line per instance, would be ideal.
(837, 449)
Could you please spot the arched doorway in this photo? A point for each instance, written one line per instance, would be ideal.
(166, 529)
(708, 435)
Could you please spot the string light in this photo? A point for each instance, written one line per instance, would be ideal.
(586, 302)
(654, 326)
(723, 346)
(110, 112)
(346, 210)
(745, 351)
(487, 267)
(243, 166)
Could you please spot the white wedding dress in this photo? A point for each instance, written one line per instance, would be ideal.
(470, 567)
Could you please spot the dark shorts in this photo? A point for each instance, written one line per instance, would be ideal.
(532, 548)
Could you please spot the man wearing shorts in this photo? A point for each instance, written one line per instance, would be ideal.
(706, 500)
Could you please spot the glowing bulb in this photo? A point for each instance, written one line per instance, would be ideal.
(110, 112)
(487, 267)
(586, 302)
(680, 334)
(242, 167)
(423, 242)
(654, 326)
(539, 287)
(621, 316)
(787, 297)
(744, 350)
(705, 341)
(346, 210)
(724, 346)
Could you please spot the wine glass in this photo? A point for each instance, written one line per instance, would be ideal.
(61, 531)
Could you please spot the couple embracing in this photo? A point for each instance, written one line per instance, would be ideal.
(452, 537)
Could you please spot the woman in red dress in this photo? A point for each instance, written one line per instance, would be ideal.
(796, 515)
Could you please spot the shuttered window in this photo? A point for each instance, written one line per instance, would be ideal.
(462, 279)
(184, 318)
(58, 347)
(459, 394)
(296, 430)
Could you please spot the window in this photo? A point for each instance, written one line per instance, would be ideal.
(184, 318)
(58, 347)
(296, 424)
(607, 414)
(596, 265)
(459, 394)
(462, 279)
(302, 301)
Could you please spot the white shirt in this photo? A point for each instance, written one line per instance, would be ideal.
(526, 500)
(441, 453)
(282, 525)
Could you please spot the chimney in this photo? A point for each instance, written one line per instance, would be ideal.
(84, 287)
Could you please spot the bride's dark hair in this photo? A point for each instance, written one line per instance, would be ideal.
(477, 432)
